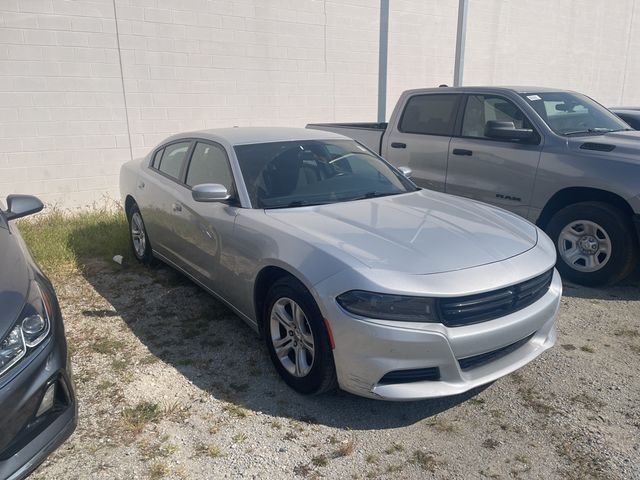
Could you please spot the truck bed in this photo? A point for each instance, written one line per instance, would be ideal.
(369, 134)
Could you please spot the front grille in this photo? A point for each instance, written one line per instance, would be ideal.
(459, 311)
(409, 376)
(478, 360)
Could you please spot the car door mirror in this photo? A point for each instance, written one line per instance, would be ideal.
(406, 171)
(210, 192)
(22, 205)
(506, 131)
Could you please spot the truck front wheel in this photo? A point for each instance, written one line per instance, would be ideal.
(595, 242)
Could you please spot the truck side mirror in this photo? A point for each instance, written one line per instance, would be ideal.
(506, 131)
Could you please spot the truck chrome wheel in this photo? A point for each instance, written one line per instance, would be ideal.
(584, 245)
(292, 337)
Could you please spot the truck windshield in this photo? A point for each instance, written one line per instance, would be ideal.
(313, 172)
(570, 114)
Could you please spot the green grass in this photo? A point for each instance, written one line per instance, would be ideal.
(59, 240)
(137, 417)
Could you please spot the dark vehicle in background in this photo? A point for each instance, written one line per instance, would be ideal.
(38, 408)
(631, 115)
(555, 157)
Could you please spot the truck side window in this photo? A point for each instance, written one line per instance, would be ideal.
(482, 108)
(429, 115)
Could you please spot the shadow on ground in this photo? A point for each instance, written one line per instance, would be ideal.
(628, 289)
(214, 349)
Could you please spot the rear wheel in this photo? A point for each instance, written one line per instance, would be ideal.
(595, 242)
(138, 237)
(297, 339)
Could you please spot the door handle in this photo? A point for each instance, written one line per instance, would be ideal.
(177, 207)
(462, 151)
(141, 184)
(398, 145)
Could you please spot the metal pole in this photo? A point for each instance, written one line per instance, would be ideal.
(458, 68)
(382, 60)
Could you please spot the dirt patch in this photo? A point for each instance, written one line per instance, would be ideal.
(171, 384)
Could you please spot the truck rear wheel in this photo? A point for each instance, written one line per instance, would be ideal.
(595, 242)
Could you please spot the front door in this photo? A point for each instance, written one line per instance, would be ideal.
(500, 172)
(206, 228)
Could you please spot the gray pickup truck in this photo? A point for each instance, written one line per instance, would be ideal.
(555, 157)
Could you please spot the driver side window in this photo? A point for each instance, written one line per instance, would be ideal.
(483, 108)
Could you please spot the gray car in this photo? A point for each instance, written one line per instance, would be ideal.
(631, 115)
(37, 399)
(354, 276)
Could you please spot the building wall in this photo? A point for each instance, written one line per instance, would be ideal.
(586, 45)
(85, 85)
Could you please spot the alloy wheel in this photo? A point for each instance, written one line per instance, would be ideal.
(137, 235)
(292, 337)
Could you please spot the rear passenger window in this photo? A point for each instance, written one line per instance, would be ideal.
(156, 158)
(209, 164)
(429, 115)
(173, 159)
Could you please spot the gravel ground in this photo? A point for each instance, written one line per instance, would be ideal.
(171, 384)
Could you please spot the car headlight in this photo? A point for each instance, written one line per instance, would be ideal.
(388, 307)
(32, 327)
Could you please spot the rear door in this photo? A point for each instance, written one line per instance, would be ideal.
(500, 172)
(420, 138)
(158, 202)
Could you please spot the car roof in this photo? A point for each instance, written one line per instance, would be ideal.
(250, 135)
(489, 89)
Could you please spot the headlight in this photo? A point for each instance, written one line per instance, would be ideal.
(388, 307)
(30, 330)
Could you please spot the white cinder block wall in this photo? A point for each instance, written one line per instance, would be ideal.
(87, 84)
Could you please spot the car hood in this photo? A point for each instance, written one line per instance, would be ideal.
(14, 280)
(422, 232)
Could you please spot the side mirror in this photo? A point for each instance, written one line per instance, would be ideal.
(22, 205)
(406, 171)
(210, 192)
(506, 131)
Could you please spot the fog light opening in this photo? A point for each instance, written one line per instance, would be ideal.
(47, 401)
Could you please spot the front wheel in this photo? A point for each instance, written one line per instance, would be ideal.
(297, 339)
(595, 242)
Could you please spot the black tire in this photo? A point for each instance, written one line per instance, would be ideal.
(144, 256)
(624, 249)
(322, 374)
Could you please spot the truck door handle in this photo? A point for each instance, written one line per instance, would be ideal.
(177, 207)
(398, 145)
(462, 151)
(141, 184)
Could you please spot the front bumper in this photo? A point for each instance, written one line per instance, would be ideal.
(366, 350)
(26, 439)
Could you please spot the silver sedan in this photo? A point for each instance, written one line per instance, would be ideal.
(353, 276)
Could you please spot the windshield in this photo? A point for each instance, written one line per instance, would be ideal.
(573, 114)
(312, 172)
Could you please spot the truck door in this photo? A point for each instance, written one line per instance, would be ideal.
(420, 137)
(500, 172)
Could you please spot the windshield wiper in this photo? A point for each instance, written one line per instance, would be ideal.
(589, 130)
(297, 203)
(372, 194)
